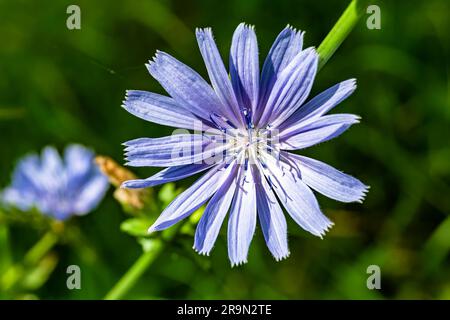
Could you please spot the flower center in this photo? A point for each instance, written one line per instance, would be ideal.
(247, 144)
(250, 144)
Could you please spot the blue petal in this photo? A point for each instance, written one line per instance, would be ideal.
(18, 198)
(51, 163)
(272, 220)
(297, 198)
(242, 221)
(175, 150)
(321, 130)
(286, 46)
(79, 166)
(51, 176)
(187, 87)
(244, 66)
(209, 225)
(159, 109)
(27, 173)
(142, 143)
(167, 175)
(320, 104)
(90, 194)
(291, 88)
(217, 72)
(29, 186)
(329, 181)
(191, 199)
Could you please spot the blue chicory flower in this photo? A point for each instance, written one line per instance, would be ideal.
(252, 120)
(57, 187)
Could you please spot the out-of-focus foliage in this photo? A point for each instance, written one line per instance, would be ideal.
(59, 86)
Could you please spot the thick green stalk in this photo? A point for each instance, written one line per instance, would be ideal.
(135, 272)
(340, 31)
(152, 249)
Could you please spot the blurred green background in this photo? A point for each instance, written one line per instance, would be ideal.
(59, 86)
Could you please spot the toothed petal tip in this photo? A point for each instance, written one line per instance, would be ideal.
(202, 251)
(238, 263)
(282, 257)
(327, 228)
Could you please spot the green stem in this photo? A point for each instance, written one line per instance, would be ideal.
(340, 31)
(32, 257)
(135, 272)
(41, 248)
(151, 252)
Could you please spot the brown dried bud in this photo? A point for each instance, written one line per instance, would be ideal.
(132, 199)
(115, 172)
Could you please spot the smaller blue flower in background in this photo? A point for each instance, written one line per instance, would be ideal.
(57, 186)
